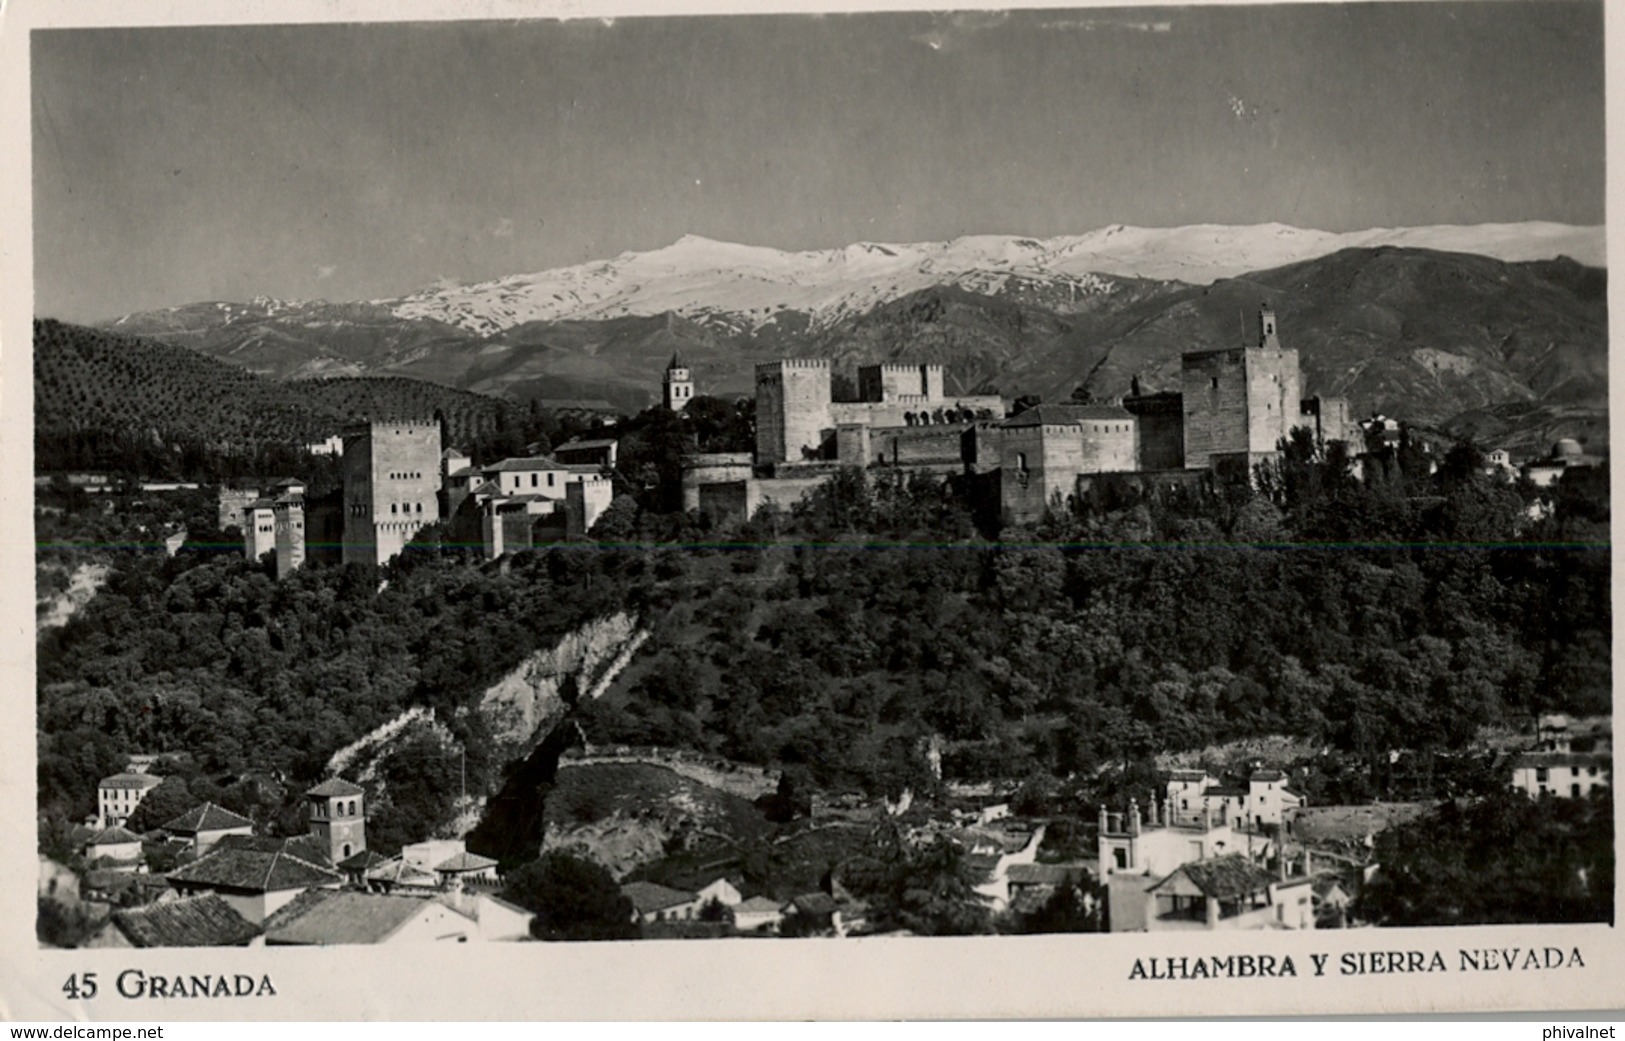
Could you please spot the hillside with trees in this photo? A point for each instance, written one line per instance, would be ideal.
(104, 401)
(837, 638)
(1499, 860)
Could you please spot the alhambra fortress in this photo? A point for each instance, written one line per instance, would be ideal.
(1234, 407)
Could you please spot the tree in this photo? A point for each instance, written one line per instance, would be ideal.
(168, 800)
(929, 889)
(618, 523)
(63, 925)
(1070, 909)
(937, 895)
(1501, 859)
(719, 425)
(574, 899)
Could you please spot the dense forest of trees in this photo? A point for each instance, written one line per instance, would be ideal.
(1042, 659)
(204, 656)
(123, 404)
(1502, 859)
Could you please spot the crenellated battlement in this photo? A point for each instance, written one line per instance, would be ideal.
(390, 425)
(774, 368)
(894, 383)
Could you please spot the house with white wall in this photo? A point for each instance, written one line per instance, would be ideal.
(118, 796)
(1563, 775)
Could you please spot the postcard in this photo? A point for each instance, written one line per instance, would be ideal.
(577, 512)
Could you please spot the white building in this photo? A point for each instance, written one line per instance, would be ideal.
(118, 845)
(204, 825)
(722, 891)
(1263, 801)
(1228, 892)
(758, 914)
(996, 856)
(257, 878)
(448, 861)
(118, 796)
(652, 902)
(1181, 873)
(325, 918)
(496, 920)
(1566, 775)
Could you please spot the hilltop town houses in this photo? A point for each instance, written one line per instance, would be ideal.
(235, 887)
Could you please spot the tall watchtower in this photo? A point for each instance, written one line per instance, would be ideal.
(792, 408)
(288, 511)
(338, 817)
(391, 476)
(259, 528)
(677, 387)
(1240, 402)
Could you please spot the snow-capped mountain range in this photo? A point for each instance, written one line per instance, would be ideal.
(746, 287)
(1430, 323)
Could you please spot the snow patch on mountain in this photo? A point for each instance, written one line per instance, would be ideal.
(736, 285)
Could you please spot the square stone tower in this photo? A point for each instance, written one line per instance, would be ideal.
(792, 408)
(391, 477)
(338, 818)
(289, 510)
(259, 528)
(1240, 402)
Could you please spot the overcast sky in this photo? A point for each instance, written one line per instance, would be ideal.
(355, 162)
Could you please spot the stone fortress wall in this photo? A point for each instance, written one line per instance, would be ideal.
(1159, 429)
(1233, 405)
(1041, 462)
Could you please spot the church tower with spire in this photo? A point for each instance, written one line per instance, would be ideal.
(677, 388)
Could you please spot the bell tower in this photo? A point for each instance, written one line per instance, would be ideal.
(677, 388)
(338, 818)
(1266, 328)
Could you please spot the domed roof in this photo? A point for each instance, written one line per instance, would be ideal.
(1566, 448)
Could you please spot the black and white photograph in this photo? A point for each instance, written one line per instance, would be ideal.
(964, 494)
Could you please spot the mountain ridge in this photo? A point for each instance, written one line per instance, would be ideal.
(1422, 333)
(831, 284)
(696, 276)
